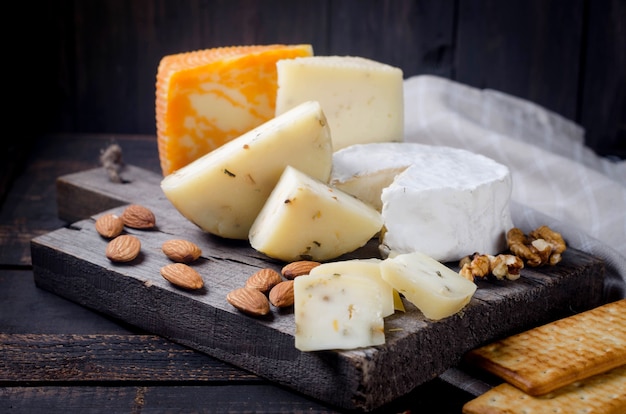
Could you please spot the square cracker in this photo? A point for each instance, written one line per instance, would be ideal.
(559, 353)
(601, 394)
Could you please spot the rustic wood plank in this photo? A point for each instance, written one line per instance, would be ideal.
(514, 47)
(155, 398)
(417, 37)
(71, 263)
(26, 309)
(58, 358)
(603, 107)
(432, 397)
(84, 194)
(102, 55)
(33, 192)
(270, 21)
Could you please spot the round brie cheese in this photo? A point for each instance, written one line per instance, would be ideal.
(444, 202)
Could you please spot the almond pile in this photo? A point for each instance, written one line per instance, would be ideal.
(267, 286)
(124, 248)
(264, 287)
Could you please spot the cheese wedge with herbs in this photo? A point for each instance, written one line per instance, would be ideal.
(337, 312)
(432, 287)
(363, 99)
(368, 268)
(208, 97)
(223, 191)
(305, 219)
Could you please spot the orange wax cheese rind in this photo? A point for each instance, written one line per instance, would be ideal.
(208, 97)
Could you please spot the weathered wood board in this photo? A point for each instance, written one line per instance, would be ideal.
(71, 263)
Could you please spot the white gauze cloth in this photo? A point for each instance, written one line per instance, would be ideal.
(557, 180)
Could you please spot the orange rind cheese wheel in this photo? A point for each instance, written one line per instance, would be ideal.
(208, 97)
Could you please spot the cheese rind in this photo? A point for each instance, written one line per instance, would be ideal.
(369, 268)
(305, 219)
(337, 312)
(363, 99)
(432, 287)
(208, 97)
(223, 191)
(441, 201)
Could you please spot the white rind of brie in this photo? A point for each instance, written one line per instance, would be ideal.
(223, 191)
(304, 218)
(444, 202)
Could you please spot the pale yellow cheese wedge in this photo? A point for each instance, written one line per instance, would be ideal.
(223, 191)
(305, 219)
(337, 312)
(369, 268)
(432, 287)
(362, 98)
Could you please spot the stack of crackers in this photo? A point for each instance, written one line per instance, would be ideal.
(573, 365)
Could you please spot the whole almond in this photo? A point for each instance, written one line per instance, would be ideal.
(299, 268)
(138, 217)
(250, 301)
(123, 248)
(281, 295)
(182, 275)
(109, 226)
(180, 250)
(264, 280)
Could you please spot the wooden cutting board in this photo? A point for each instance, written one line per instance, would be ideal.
(71, 262)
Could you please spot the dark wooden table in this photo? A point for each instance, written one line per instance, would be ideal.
(57, 356)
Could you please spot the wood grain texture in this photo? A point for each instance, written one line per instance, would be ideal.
(564, 55)
(70, 262)
(96, 358)
(522, 48)
(602, 109)
(33, 191)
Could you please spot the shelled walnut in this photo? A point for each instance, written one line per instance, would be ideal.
(482, 265)
(542, 246)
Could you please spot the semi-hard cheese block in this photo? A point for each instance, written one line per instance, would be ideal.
(305, 219)
(223, 191)
(337, 312)
(369, 268)
(432, 287)
(363, 99)
(208, 97)
(444, 202)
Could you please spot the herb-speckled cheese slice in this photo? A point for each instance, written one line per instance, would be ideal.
(223, 191)
(363, 99)
(441, 201)
(304, 218)
(432, 287)
(337, 312)
(368, 268)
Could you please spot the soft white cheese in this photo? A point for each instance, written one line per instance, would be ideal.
(433, 288)
(305, 219)
(362, 99)
(369, 268)
(223, 191)
(337, 312)
(441, 201)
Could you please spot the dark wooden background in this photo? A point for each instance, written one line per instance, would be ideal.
(90, 65)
